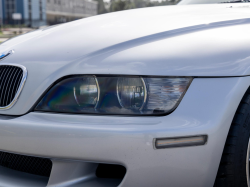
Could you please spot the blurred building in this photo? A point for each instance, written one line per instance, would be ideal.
(60, 11)
(1, 13)
(33, 12)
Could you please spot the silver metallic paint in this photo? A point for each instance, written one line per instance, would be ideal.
(66, 173)
(198, 40)
(211, 40)
(129, 140)
(12, 178)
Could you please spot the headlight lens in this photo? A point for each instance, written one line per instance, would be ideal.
(86, 92)
(115, 95)
(131, 92)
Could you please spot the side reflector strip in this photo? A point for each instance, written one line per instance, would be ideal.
(161, 143)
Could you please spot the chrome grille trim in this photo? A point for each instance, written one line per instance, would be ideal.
(6, 81)
(7, 54)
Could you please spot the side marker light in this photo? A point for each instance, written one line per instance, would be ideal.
(161, 143)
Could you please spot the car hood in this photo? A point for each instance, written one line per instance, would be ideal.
(197, 40)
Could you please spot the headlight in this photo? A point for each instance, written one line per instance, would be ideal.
(86, 92)
(115, 95)
(131, 93)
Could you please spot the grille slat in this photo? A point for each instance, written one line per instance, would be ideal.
(11, 85)
(1, 75)
(6, 94)
(10, 79)
(1, 71)
(3, 85)
(19, 81)
(27, 164)
(13, 93)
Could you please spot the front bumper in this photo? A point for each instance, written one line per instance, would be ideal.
(207, 109)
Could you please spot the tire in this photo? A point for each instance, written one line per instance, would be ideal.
(232, 171)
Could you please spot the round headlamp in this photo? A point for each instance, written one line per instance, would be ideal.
(115, 95)
(131, 92)
(86, 92)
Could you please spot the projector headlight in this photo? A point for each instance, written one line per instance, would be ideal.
(131, 93)
(115, 95)
(86, 92)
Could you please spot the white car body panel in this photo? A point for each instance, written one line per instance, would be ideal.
(189, 2)
(129, 140)
(210, 43)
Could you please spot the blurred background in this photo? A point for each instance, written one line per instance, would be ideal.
(21, 16)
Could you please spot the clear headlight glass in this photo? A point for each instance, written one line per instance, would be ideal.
(131, 92)
(115, 95)
(86, 92)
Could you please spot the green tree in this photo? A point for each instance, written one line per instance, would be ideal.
(101, 7)
(140, 3)
(117, 6)
(162, 3)
(129, 5)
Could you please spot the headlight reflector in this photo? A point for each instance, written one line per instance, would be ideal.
(115, 95)
(86, 92)
(131, 92)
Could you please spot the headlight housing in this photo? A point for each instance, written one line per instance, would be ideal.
(133, 95)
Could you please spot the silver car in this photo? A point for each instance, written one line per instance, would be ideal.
(190, 2)
(153, 97)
